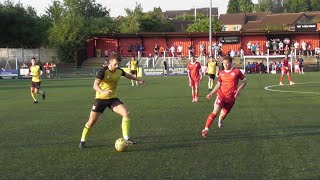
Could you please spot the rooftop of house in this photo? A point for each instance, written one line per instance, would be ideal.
(255, 21)
(171, 14)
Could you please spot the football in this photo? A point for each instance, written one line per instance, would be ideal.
(121, 145)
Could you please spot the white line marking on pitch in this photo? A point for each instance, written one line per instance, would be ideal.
(268, 88)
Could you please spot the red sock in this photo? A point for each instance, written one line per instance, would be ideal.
(197, 94)
(193, 95)
(210, 120)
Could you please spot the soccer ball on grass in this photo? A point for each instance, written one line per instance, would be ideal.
(121, 145)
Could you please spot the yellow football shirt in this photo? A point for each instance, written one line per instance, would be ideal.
(109, 81)
(212, 66)
(36, 73)
(134, 65)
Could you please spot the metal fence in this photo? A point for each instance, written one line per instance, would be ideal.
(72, 72)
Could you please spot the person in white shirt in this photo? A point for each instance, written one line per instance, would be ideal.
(317, 51)
(106, 53)
(249, 46)
(179, 50)
(304, 48)
(172, 50)
(281, 47)
(296, 45)
(232, 54)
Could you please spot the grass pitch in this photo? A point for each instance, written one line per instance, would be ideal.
(267, 135)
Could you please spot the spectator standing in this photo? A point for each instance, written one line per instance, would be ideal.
(300, 61)
(304, 48)
(281, 48)
(156, 50)
(274, 47)
(172, 50)
(180, 50)
(191, 50)
(309, 50)
(203, 49)
(106, 53)
(129, 49)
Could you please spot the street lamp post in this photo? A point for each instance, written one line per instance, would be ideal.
(210, 30)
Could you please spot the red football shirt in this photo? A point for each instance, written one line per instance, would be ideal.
(285, 63)
(194, 70)
(229, 83)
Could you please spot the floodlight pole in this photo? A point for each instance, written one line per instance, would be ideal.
(195, 10)
(210, 30)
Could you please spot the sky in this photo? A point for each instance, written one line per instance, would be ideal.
(117, 6)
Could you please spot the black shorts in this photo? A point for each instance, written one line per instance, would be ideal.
(135, 72)
(212, 76)
(300, 66)
(35, 84)
(99, 105)
(165, 65)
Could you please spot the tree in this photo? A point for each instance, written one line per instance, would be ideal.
(287, 6)
(154, 21)
(138, 21)
(300, 6)
(264, 6)
(54, 11)
(202, 25)
(72, 24)
(315, 5)
(245, 6)
(233, 7)
(131, 23)
(21, 26)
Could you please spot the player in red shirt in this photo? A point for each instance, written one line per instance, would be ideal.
(227, 91)
(195, 75)
(285, 70)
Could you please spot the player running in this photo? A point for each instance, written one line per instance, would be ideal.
(165, 68)
(105, 86)
(212, 69)
(36, 72)
(134, 66)
(195, 75)
(285, 70)
(227, 91)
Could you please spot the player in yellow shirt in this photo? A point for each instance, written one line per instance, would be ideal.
(212, 69)
(105, 86)
(36, 72)
(134, 66)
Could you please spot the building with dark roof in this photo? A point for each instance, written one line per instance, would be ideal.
(172, 14)
(266, 21)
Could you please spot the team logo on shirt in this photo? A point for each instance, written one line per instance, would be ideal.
(232, 74)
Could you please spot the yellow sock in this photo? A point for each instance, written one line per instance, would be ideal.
(209, 85)
(125, 127)
(85, 132)
(33, 95)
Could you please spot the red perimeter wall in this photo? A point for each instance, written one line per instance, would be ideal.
(120, 44)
